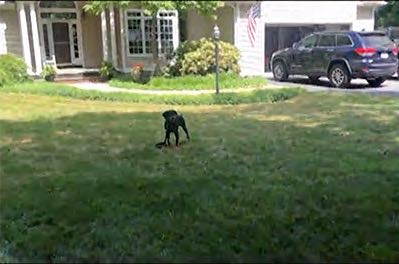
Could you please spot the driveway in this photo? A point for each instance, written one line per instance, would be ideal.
(389, 87)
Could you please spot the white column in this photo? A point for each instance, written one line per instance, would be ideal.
(3, 44)
(236, 22)
(104, 35)
(123, 39)
(35, 36)
(24, 35)
(113, 34)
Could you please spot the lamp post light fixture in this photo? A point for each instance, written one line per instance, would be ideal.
(216, 36)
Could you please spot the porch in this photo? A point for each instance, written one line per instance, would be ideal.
(61, 34)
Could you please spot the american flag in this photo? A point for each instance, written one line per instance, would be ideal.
(253, 12)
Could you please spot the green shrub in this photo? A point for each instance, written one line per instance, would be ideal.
(107, 70)
(3, 77)
(198, 57)
(12, 69)
(48, 72)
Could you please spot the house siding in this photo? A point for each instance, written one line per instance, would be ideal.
(309, 12)
(252, 58)
(364, 18)
(9, 20)
(91, 40)
(225, 22)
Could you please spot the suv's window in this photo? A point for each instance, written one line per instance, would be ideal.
(343, 40)
(327, 41)
(376, 40)
(308, 42)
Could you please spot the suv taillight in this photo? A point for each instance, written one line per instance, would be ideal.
(366, 52)
(395, 51)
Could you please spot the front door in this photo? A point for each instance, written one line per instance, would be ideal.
(62, 47)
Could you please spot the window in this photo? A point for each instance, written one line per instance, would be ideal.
(75, 42)
(343, 40)
(376, 40)
(139, 32)
(62, 15)
(308, 42)
(327, 41)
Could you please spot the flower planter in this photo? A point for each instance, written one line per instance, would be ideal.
(137, 73)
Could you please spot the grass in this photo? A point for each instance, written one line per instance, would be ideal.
(55, 89)
(314, 179)
(192, 82)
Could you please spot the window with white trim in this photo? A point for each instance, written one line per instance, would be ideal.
(139, 32)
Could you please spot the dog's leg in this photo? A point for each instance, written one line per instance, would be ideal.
(176, 132)
(183, 125)
(167, 137)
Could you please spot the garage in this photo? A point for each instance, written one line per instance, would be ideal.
(279, 36)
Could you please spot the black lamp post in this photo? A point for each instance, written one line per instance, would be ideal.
(216, 36)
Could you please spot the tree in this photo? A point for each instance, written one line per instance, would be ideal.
(151, 8)
(388, 15)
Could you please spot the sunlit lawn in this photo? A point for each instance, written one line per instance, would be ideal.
(315, 178)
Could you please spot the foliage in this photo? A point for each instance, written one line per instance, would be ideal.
(388, 15)
(257, 96)
(12, 69)
(3, 77)
(207, 8)
(107, 70)
(198, 57)
(48, 72)
(193, 82)
(312, 181)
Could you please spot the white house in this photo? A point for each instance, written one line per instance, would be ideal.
(62, 34)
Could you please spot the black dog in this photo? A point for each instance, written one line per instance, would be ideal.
(172, 122)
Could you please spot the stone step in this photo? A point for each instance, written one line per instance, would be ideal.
(86, 76)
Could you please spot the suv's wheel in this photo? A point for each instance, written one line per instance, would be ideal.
(280, 72)
(339, 76)
(376, 82)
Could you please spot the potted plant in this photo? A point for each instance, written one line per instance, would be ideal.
(137, 72)
(106, 70)
(48, 73)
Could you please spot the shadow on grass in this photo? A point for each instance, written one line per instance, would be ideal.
(92, 187)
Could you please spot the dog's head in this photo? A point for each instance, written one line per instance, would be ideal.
(169, 114)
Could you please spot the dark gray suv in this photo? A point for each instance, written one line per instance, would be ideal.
(341, 56)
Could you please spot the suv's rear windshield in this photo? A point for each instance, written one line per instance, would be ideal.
(376, 40)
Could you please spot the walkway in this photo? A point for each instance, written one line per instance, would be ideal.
(104, 87)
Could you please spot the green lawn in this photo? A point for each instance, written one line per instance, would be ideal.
(192, 82)
(314, 178)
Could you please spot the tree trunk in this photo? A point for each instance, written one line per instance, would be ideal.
(154, 46)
